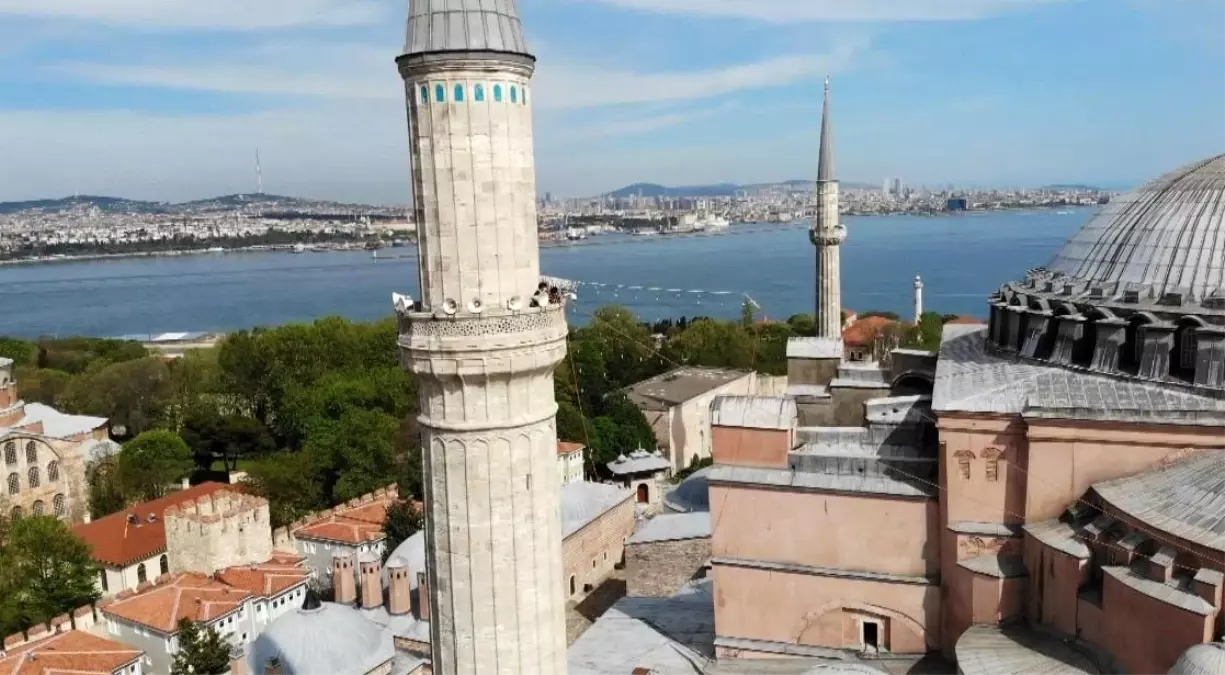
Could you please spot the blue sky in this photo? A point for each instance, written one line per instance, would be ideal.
(169, 99)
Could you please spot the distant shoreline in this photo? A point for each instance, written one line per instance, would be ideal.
(550, 243)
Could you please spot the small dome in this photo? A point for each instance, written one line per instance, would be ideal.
(692, 495)
(1203, 659)
(321, 638)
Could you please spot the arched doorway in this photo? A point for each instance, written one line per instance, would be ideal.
(644, 494)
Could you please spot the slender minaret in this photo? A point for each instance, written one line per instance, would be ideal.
(918, 299)
(827, 234)
(483, 344)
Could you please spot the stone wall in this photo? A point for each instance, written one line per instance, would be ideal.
(590, 554)
(219, 530)
(659, 568)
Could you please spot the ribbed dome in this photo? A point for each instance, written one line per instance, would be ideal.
(331, 638)
(464, 26)
(1168, 236)
(1205, 659)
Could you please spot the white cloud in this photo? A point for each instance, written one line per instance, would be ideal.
(359, 72)
(781, 11)
(243, 15)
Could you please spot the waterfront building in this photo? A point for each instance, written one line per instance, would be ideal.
(483, 341)
(46, 454)
(1043, 494)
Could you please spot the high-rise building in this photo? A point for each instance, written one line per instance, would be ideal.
(827, 234)
(887, 186)
(483, 342)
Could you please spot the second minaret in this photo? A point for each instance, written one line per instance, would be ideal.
(827, 234)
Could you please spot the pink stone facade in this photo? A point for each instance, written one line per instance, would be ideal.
(799, 567)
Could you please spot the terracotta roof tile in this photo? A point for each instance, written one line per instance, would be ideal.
(566, 447)
(865, 331)
(963, 321)
(69, 652)
(117, 542)
(352, 523)
(187, 596)
(268, 579)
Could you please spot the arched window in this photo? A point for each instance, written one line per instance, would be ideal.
(573, 584)
(16, 513)
(459, 93)
(58, 503)
(164, 564)
(440, 94)
(425, 94)
(525, 96)
(497, 93)
(963, 462)
(10, 453)
(102, 580)
(514, 94)
(141, 575)
(479, 93)
(992, 455)
(53, 472)
(32, 474)
(31, 453)
(39, 508)
(14, 483)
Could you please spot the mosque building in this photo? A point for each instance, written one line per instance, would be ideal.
(1045, 494)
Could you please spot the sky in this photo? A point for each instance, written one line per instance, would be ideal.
(170, 99)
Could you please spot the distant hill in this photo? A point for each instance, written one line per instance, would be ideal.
(716, 190)
(235, 202)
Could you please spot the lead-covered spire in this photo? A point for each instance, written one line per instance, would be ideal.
(464, 26)
(825, 161)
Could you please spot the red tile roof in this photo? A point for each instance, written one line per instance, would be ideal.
(566, 447)
(268, 580)
(73, 652)
(182, 596)
(963, 321)
(117, 542)
(865, 331)
(352, 523)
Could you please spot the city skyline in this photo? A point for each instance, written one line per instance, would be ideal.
(168, 100)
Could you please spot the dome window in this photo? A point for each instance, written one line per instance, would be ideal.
(478, 93)
(1131, 297)
(514, 94)
(440, 94)
(425, 94)
(459, 93)
(497, 93)
(1172, 299)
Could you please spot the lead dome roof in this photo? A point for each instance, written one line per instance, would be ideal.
(1167, 236)
(464, 26)
(322, 638)
(1201, 659)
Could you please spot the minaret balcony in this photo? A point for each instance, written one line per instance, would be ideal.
(833, 236)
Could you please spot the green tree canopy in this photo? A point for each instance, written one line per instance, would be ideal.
(49, 571)
(202, 650)
(132, 394)
(290, 482)
(403, 521)
(152, 463)
(356, 454)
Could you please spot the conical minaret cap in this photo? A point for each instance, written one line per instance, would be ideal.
(825, 161)
(464, 26)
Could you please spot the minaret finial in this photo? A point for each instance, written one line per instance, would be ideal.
(825, 161)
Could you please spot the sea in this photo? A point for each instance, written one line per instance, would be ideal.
(961, 258)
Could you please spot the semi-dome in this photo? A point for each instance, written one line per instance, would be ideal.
(692, 495)
(321, 637)
(1202, 659)
(1168, 236)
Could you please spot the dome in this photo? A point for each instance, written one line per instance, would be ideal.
(1203, 659)
(322, 637)
(1168, 236)
(692, 495)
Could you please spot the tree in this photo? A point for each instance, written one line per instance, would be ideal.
(404, 520)
(133, 395)
(152, 462)
(747, 318)
(53, 568)
(42, 385)
(227, 439)
(290, 482)
(355, 454)
(716, 344)
(21, 352)
(929, 333)
(105, 488)
(409, 476)
(202, 650)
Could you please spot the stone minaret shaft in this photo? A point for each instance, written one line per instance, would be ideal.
(918, 299)
(482, 350)
(827, 234)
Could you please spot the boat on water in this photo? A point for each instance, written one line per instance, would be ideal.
(575, 234)
(299, 248)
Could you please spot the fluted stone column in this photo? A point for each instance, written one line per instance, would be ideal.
(828, 239)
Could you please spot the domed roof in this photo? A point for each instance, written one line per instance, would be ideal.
(692, 495)
(1203, 659)
(1168, 236)
(322, 638)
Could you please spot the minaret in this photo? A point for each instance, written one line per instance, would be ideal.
(918, 299)
(827, 234)
(483, 344)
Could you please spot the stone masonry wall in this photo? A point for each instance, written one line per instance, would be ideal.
(217, 531)
(658, 569)
(590, 554)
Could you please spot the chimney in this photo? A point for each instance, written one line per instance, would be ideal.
(1161, 565)
(344, 585)
(372, 581)
(423, 597)
(400, 599)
